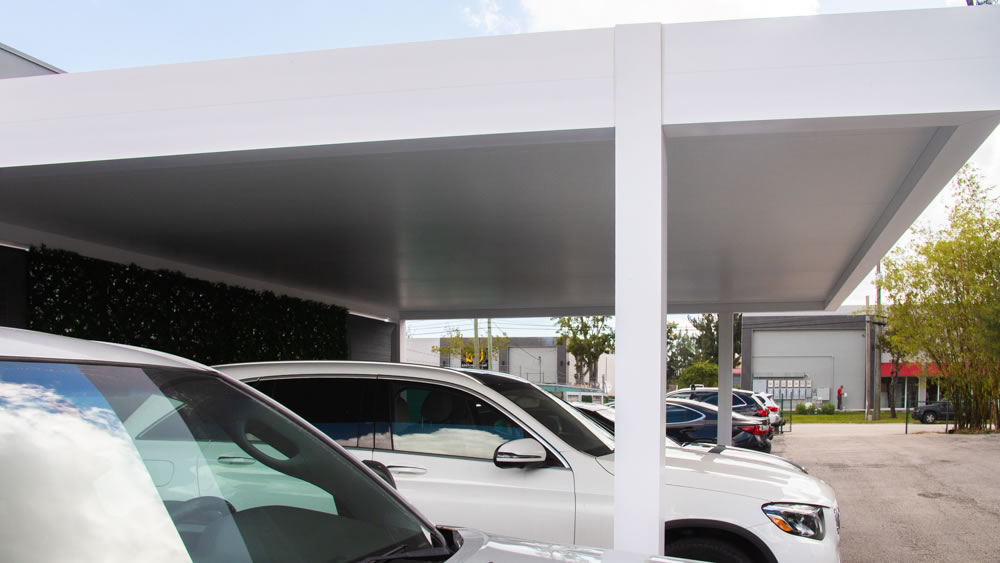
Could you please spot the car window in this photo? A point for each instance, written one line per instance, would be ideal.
(679, 414)
(713, 399)
(342, 408)
(433, 419)
(133, 468)
(558, 416)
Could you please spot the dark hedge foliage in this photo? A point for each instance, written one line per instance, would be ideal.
(208, 322)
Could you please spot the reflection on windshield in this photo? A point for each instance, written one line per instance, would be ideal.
(201, 471)
(105, 509)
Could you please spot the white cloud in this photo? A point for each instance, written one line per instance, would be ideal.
(77, 489)
(489, 17)
(547, 15)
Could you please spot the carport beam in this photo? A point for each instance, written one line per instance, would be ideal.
(640, 288)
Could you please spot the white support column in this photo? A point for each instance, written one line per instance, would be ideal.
(402, 340)
(640, 288)
(725, 436)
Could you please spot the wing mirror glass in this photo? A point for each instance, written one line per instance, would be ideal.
(520, 453)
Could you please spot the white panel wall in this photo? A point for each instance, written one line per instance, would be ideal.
(537, 364)
(830, 358)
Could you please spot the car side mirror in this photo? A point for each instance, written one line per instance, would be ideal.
(520, 453)
(381, 470)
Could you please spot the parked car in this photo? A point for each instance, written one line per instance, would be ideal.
(604, 416)
(497, 452)
(693, 421)
(933, 412)
(744, 402)
(774, 411)
(113, 453)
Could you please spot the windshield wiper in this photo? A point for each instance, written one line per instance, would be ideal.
(429, 554)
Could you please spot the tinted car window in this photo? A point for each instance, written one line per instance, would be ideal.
(555, 414)
(432, 419)
(713, 399)
(342, 408)
(679, 414)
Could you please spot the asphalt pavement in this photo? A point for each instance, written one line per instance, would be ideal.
(926, 496)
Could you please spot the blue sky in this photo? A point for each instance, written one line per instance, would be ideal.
(83, 35)
(89, 35)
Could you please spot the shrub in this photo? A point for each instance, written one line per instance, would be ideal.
(828, 408)
(805, 408)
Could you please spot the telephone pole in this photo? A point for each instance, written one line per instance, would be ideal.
(489, 344)
(475, 344)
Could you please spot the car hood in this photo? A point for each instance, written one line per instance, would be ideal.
(481, 547)
(743, 454)
(732, 475)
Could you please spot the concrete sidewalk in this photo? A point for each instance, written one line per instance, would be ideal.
(926, 496)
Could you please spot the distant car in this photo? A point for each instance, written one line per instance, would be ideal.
(774, 411)
(693, 421)
(747, 403)
(113, 453)
(933, 412)
(604, 416)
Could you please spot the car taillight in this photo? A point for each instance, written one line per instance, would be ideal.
(761, 412)
(772, 408)
(758, 429)
(749, 429)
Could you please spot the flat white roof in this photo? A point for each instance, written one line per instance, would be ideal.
(475, 177)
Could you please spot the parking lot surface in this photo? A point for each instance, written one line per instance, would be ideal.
(926, 496)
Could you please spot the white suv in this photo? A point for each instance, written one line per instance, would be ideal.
(496, 452)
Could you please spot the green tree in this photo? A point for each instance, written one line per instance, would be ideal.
(681, 350)
(704, 373)
(587, 338)
(944, 288)
(457, 345)
(889, 342)
(707, 341)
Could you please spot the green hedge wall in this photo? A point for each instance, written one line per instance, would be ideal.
(211, 323)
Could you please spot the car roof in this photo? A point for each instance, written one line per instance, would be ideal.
(710, 390)
(21, 344)
(272, 370)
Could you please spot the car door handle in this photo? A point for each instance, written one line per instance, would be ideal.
(236, 460)
(407, 469)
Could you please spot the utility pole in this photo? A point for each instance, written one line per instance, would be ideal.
(489, 344)
(877, 362)
(868, 358)
(475, 344)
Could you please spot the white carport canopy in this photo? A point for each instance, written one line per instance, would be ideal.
(732, 166)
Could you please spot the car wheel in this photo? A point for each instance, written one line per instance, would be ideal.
(707, 549)
(929, 417)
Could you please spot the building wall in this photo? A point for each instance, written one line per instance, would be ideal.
(420, 351)
(605, 372)
(810, 355)
(371, 339)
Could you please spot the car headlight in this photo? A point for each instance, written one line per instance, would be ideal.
(799, 519)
